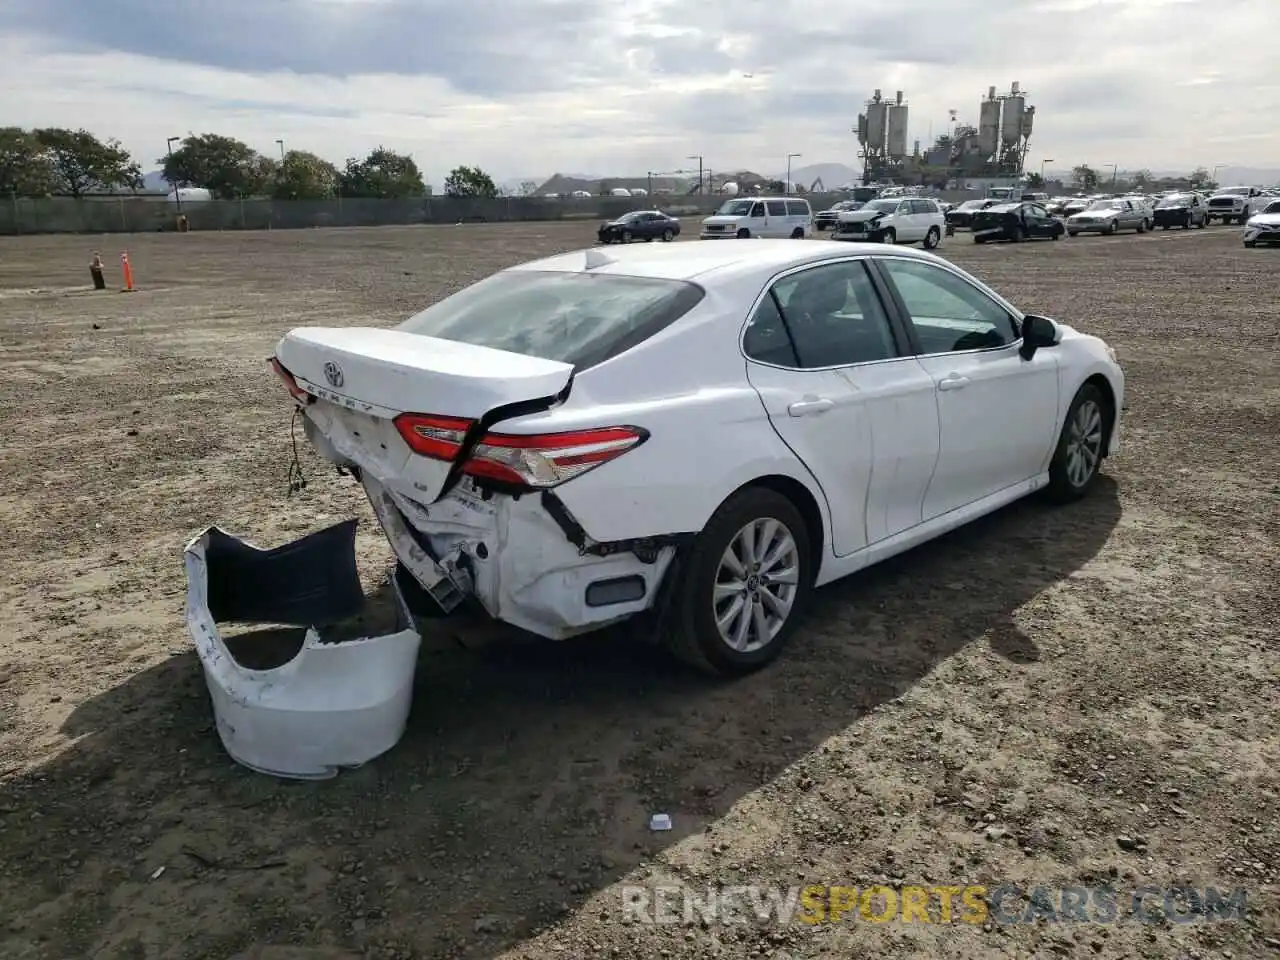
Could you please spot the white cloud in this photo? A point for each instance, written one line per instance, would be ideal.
(1153, 83)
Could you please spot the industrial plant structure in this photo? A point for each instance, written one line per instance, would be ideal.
(995, 148)
(882, 135)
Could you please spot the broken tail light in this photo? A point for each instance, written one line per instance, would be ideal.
(439, 438)
(533, 460)
(545, 460)
(290, 383)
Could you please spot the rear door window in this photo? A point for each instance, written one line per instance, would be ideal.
(777, 208)
(577, 318)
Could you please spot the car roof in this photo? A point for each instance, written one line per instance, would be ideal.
(711, 260)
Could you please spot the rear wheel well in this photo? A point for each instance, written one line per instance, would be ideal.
(1104, 387)
(803, 500)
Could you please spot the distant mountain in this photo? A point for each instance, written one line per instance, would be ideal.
(155, 181)
(832, 175)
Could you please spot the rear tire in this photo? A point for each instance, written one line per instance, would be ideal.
(1081, 446)
(797, 233)
(1251, 243)
(932, 238)
(1073, 233)
(702, 600)
(667, 235)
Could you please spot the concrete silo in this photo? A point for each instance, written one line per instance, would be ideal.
(877, 123)
(896, 136)
(1013, 108)
(989, 124)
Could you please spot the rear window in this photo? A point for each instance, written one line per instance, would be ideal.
(577, 318)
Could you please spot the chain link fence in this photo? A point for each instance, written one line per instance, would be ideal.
(150, 214)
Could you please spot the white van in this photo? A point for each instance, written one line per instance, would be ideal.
(770, 217)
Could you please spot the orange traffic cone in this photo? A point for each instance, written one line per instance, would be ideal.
(128, 273)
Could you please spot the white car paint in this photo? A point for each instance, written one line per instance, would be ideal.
(910, 218)
(1263, 227)
(887, 454)
(333, 705)
(1235, 203)
(777, 218)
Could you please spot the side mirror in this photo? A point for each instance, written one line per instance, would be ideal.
(1037, 332)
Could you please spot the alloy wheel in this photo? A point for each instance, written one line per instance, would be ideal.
(756, 585)
(1084, 443)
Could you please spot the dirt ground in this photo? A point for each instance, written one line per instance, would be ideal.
(1074, 696)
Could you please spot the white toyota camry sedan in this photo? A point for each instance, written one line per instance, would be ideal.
(699, 434)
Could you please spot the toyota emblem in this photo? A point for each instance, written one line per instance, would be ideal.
(333, 373)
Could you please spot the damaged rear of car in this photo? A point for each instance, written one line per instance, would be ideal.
(528, 443)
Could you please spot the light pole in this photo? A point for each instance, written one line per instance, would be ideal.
(1114, 168)
(699, 159)
(1214, 175)
(177, 194)
(281, 142)
(787, 185)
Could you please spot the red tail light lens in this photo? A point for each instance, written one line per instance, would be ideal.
(544, 460)
(290, 383)
(439, 438)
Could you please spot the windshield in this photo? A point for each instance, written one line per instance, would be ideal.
(1106, 205)
(882, 206)
(1179, 201)
(577, 318)
(735, 208)
(971, 205)
(629, 217)
(1272, 207)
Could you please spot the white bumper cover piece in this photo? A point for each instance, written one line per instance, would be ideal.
(334, 705)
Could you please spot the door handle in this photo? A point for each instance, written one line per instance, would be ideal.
(810, 407)
(953, 382)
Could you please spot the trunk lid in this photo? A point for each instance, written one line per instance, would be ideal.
(363, 378)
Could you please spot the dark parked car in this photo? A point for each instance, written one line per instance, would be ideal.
(1184, 210)
(640, 225)
(1016, 222)
(825, 219)
(961, 217)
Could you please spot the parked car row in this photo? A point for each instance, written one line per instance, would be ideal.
(904, 218)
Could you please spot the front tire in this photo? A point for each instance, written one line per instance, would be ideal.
(743, 585)
(889, 236)
(1081, 446)
(626, 236)
(932, 238)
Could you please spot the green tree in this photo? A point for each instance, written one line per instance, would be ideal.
(1085, 177)
(228, 168)
(304, 176)
(469, 182)
(1201, 179)
(1035, 181)
(1142, 179)
(383, 174)
(25, 170)
(81, 163)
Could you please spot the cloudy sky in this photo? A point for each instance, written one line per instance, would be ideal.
(530, 87)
